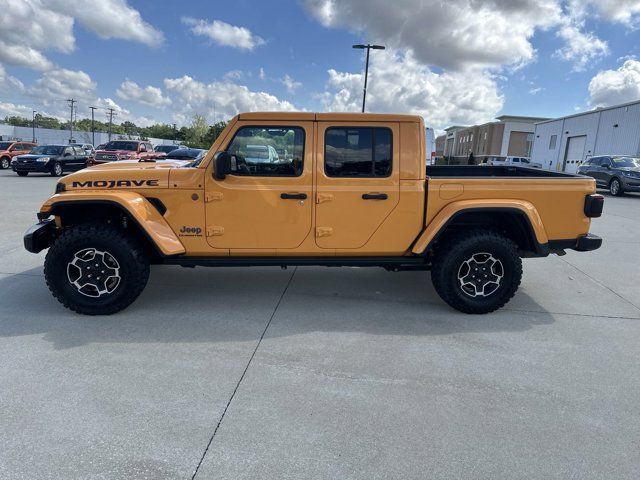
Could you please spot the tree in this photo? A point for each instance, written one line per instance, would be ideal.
(197, 131)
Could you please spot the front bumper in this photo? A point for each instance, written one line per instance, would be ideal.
(38, 167)
(631, 184)
(40, 236)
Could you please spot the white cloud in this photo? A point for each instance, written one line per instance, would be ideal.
(11, 109)
(262, 74)
(535, 90)
(9, 83)
(453, 34)
(223, 33)
(399, 83)
(290, 83)
(30, 28)
(581, 48)
(611, 87)
(109, 19)
(233, 75)
(224, 98)
(149, 95)
(620, 11)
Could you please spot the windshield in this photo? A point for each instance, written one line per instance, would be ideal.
(626, 162)
(131, 146)
(198, 159)
(47, 150)
(5, 145)
(166, 148)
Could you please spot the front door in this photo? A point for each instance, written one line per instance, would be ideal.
(266, 202)
(358, 182)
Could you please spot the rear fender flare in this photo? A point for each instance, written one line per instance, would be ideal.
(137, 207)
(445, 216)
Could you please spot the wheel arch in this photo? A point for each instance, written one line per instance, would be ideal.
(140, 216)
(517, 220)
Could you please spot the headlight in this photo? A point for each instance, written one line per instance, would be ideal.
(43, 159)
(631, 174)
(124, 156)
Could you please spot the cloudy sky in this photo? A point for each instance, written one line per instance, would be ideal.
(454, 61)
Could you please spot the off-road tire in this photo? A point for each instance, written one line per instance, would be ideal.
(5, 163)
(131, 257)
(57, 166)
(22, 174)
(449, 260)
(616, 192)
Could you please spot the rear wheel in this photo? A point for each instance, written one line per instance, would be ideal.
(615, 188)
(477, 272)
(96, 269)
(22, 174)
(5, 162)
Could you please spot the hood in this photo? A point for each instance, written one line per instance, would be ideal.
(122, 175)
(33, 156)
(117, 152)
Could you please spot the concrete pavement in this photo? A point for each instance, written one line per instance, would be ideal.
(322, 373)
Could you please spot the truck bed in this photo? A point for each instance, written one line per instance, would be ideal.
(466, 171)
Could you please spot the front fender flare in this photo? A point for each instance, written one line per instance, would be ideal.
(453, 209)
(139, 209)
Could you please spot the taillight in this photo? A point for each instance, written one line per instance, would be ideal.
(593, 205)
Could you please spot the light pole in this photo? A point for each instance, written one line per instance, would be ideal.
(368, 47)
(93, 130)
(33, 125)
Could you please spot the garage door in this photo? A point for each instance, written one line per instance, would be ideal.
(575, 153)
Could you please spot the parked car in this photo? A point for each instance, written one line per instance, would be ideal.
(186, 153)
(512, 160)
(9, 150)
(166, 148)
(337, 201)
(617, 173)
(51, 159)
(87, 147)
(126, 150)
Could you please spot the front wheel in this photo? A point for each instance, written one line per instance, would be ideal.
(615, 188)
(5, 162)
(56, 170)
(96, 269)
(477, 272)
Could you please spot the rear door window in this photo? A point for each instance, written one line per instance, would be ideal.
(358, 152)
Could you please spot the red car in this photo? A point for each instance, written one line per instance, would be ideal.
(126, 150)
(10, 149)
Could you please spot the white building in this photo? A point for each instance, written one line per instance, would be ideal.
(50, 136)
(563, 143)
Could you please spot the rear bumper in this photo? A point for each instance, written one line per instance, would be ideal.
(40, 236)
(588, 242)
(584, 243)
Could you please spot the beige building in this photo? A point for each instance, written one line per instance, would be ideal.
(509, 136)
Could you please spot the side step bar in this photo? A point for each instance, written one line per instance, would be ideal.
(391, 263)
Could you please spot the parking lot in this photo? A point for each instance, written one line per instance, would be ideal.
(322, 373)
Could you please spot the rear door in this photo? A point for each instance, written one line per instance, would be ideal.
(266, 202)
(357, 178)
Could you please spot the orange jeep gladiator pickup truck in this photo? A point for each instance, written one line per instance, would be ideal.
(309, 189)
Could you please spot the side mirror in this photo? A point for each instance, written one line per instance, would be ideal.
(222, 165)
(67, 154)
(142, 149)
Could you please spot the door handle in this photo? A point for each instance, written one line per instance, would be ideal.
(293, 196)
(374, 196)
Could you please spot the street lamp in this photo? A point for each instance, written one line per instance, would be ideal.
(33, 125)
(368, 47)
